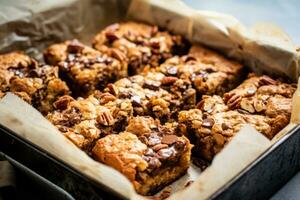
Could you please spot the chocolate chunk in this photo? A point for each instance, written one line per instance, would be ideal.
(172, 70)
(63, 129)
(225, 126)
(189, 58)
(149, 152)
(169, 139)
(136, 101)
(210, 70)
(155, 44)
(165, 153)
(151, 85)
(154, 163)
(75, 47)
(200, 104)
(111, 36)
(153, 140)
(73, 118)
(188, 183)
(208, 123)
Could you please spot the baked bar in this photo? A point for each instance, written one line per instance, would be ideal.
(83, 121)
(84, 69)
(207, 71)
(261, 102)
(37, 84)
(148, 98)
(143, 45)
(148, 154)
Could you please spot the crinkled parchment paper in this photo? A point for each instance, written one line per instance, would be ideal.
(39, 23)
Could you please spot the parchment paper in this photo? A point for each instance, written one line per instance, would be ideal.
(38, 23)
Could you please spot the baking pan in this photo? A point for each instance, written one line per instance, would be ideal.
(260, 180)
(72, 181)
(30, 185)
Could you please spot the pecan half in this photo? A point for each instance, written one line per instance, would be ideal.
(233, 100)
(105, 118)
(168, 80)
(62, 102)
(106, 97)
(112, 89)
(119, 55)
(208, 123)
(266, 80)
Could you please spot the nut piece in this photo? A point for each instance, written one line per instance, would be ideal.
(112, 89)
(233, 100)
(118, 55)
(105, 118)
(259, 105)
(247, 105)
(266, 80)
(106, 97)
(169, 139)
(62, 102)
(169, 80)
(159, 147)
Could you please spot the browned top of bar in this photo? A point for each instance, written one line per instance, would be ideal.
(37, 84)
(144, 147)
(209, 72)
(142, 44)
(86, 68)
(149, 95)
(262, 102)
(85, 120)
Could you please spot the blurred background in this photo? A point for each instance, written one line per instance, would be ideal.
(284, 13)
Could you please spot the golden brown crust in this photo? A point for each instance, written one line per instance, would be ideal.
(84, 68)
(143, 45)
(37, 84)
(150, 158)
(208, 72)
(149, 97)
(261, 102)
(83, 121)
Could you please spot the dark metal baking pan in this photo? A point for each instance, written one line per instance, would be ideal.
(30, 185)
(56, 171)
(260, 180)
